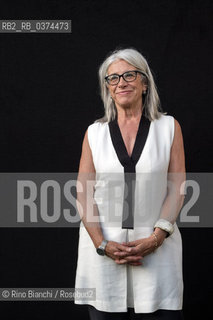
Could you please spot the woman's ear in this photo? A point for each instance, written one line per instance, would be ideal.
(145, 87)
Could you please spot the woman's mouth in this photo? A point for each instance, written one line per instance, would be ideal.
(124, 92)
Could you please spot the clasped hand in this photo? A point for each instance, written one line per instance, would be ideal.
(130, 252)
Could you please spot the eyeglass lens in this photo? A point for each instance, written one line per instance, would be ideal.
(127, 76)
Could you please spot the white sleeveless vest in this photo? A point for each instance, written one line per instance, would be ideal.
(157, 283)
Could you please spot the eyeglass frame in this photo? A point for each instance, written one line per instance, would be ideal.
(121, 75)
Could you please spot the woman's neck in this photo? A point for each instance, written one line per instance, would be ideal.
(129, 113)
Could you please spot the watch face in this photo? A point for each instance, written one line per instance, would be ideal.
(100, 251)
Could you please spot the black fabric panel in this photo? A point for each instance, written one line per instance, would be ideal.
(129, 164)
(141, 138)
(119, 146)
(129, 203)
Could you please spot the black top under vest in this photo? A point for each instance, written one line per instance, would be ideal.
(129, 164)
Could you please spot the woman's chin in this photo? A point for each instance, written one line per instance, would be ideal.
(125, 103)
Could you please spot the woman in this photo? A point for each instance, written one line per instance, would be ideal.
(134, 263)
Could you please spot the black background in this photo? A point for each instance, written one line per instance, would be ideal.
(50, 94)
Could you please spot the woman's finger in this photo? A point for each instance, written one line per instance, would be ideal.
(124, 243)
(121, 253)
(132, 243)
(135, 263)
(133, 258)
(121, 247)
(134, 250)
(120, 261)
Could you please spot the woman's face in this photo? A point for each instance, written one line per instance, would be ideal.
(125, 94)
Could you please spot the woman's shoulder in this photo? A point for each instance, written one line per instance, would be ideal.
(165, 118)
(169, 121)
(164, 126)
(98, 125)
(96, 130)
(165, 121)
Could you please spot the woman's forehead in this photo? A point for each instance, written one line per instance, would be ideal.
(119, 66)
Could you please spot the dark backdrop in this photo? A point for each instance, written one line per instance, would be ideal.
(49, 95)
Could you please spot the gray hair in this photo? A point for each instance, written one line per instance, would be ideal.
(151, 101)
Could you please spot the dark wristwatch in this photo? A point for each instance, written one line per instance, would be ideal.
(101, 249)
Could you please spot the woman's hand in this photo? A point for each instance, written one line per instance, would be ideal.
(140, 248)
(112, 248)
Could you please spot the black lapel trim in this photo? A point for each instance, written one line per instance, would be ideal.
(126, 161)
(129, 164)
(141, 138)
(119, 146)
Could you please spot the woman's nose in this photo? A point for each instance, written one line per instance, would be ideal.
(122, 82)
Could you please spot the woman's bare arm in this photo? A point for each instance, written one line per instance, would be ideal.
(85, 200)
(176, 177)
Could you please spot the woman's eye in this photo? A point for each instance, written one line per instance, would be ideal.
(129, 75)
(113, 78)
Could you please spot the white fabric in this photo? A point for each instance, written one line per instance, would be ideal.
(157, 284)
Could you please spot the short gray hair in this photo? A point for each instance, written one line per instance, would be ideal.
(151, 101)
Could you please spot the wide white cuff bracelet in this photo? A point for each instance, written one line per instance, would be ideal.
(164, 225)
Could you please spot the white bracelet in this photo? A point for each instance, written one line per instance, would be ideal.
(165, 225)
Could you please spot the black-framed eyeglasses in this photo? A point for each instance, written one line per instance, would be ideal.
(128, 76)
